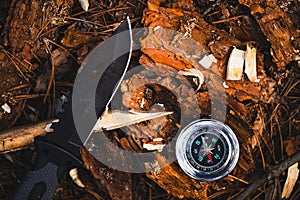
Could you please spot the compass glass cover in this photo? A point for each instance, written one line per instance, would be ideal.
(207, 150)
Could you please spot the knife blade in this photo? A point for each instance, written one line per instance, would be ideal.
(93, 94)
(60, 150)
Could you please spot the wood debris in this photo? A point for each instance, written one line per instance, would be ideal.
(6, 108)
(250, 64)
(118, 119)
(193, 38)
(194, 72)
(84, 4)
(235, 65)
(292, 176)
(278, 27)
(22, 137)
(153, 147)
(74, 175)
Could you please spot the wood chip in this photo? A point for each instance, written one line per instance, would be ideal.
(74, 175)
(6, 108)
(153, 147)
(118, 119)
(207, 61)
(48, 128)
(290, 182)
(194, 72)
(158, 139)
(84, 4)
(250, 63)
(235, 64)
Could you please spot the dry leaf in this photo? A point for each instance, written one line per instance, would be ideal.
(291, 179)
(290, 146)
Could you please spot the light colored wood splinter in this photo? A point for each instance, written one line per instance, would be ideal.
(118, 119)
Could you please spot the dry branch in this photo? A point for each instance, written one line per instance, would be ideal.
(273, 172)
(22, 137)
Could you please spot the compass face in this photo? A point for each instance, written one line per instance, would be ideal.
(207, 150)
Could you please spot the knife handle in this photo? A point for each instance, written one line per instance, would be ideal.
(38, 184)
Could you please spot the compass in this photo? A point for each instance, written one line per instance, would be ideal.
(207, 150)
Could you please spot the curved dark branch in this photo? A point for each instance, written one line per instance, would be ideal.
(273, 171)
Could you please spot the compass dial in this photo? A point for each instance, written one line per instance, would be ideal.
(207, 150)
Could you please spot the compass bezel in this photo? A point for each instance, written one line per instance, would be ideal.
(187, 136)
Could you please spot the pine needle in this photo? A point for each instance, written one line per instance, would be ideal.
(16, 66)
(52, 71)
(227, 20)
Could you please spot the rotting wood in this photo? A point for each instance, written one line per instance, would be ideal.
(279, 29)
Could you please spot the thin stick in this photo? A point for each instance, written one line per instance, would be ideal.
(260, 150)
(107, 11)
(20, 112)
(52, 72)
(64, 83)
(15, 64)
(16, 58)
(213, 13)
(35, 56)
(238, 179)
(272, 172)
(63, 48)
(18, 87)
(28, 96)
(227, 20)
(222, 192)
(83, 20)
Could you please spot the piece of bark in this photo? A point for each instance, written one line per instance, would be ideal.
(279, 29)
(118, 184)
(22, 137)
(176, 182)
(172, 179)
(196, 38)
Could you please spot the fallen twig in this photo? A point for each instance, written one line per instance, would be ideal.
(21, 137)
(273, 171)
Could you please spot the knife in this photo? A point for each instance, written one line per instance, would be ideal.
(59, 151)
